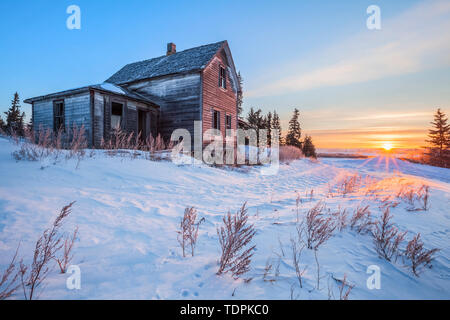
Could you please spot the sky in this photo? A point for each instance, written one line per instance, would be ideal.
(354, 87)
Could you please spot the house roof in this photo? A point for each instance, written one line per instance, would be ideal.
(105, 87)
(189, 60)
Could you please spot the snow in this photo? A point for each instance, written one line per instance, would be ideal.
(111, 87)
(128, 211)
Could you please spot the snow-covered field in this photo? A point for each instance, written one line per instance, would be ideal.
(128, 212)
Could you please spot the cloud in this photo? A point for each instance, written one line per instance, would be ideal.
(414, 41)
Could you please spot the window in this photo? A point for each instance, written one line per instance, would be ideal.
(116, 115)
(222, 78)
(216, 120)
(58, 115)
(228, 124)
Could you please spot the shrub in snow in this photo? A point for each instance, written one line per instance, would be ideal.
(361, 220)
(345, 288)
(416, 198)
(296, 254)
(120, 140)
(188, 233)
(46, 144)
(317, 229)
(418, 255)
(64, 261)
(8, 279)
(387, 238)
(349, 184)
(289, 153)
(340, 217)
(48, 244)
(235, 236)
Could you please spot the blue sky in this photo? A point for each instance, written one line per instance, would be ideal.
(315, 55)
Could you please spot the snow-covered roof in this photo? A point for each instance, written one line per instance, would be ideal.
(183, 61)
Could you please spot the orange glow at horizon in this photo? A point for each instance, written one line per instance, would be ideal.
(369, 138)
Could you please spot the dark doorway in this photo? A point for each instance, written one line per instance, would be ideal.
(144, 123)
(116, 115)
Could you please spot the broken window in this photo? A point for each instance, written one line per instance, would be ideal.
(228, 124)
(222, 78)
(58, 115)
(216, 120)
(116, 115)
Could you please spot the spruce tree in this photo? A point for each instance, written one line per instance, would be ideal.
(2, 124)
(294, 133)
(14, 118)
(439, 139)
(268, 126)
(277, 126)
(255, 120)
(309, 150)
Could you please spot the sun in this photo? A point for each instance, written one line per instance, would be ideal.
(387, 146)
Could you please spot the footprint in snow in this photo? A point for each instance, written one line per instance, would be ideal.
(185, 293)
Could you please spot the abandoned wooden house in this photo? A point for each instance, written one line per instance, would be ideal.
(154, 96)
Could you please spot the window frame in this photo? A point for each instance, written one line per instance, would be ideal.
(228, 124)
(216, 120)
(222, 77)
(122, 116)
(59, 118)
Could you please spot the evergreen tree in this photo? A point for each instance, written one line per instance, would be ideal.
(294, 133)
(240, 96)
(14, 118)
(268, 126)
(439, 140)
(277, 126)
(309, 150)
(2, 124)
(256, 120)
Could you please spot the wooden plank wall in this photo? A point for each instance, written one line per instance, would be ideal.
(77, 110)
(217, 98)
(99, 120)
(181, 100)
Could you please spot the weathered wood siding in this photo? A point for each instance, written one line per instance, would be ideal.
(180, 100)
(102, 115)
(99, 119)
(77, 111)
(43, 114)
(217, 98)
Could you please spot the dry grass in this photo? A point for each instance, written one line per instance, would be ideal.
(387, 238)
(8, 279)
(340, 217)
(72, 144)
(344, 288)
(417, 198)
(296, 255)
(361, 221)
(235, 236)
(188, 233)
(349, 184)
(289, 153)
(48, 244)
(271, 273)
(418, 255)
(46, 144)
(317, 229)
(67, 256)
(129, 143)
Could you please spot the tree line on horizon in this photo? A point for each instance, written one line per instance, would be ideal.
(271, 121)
